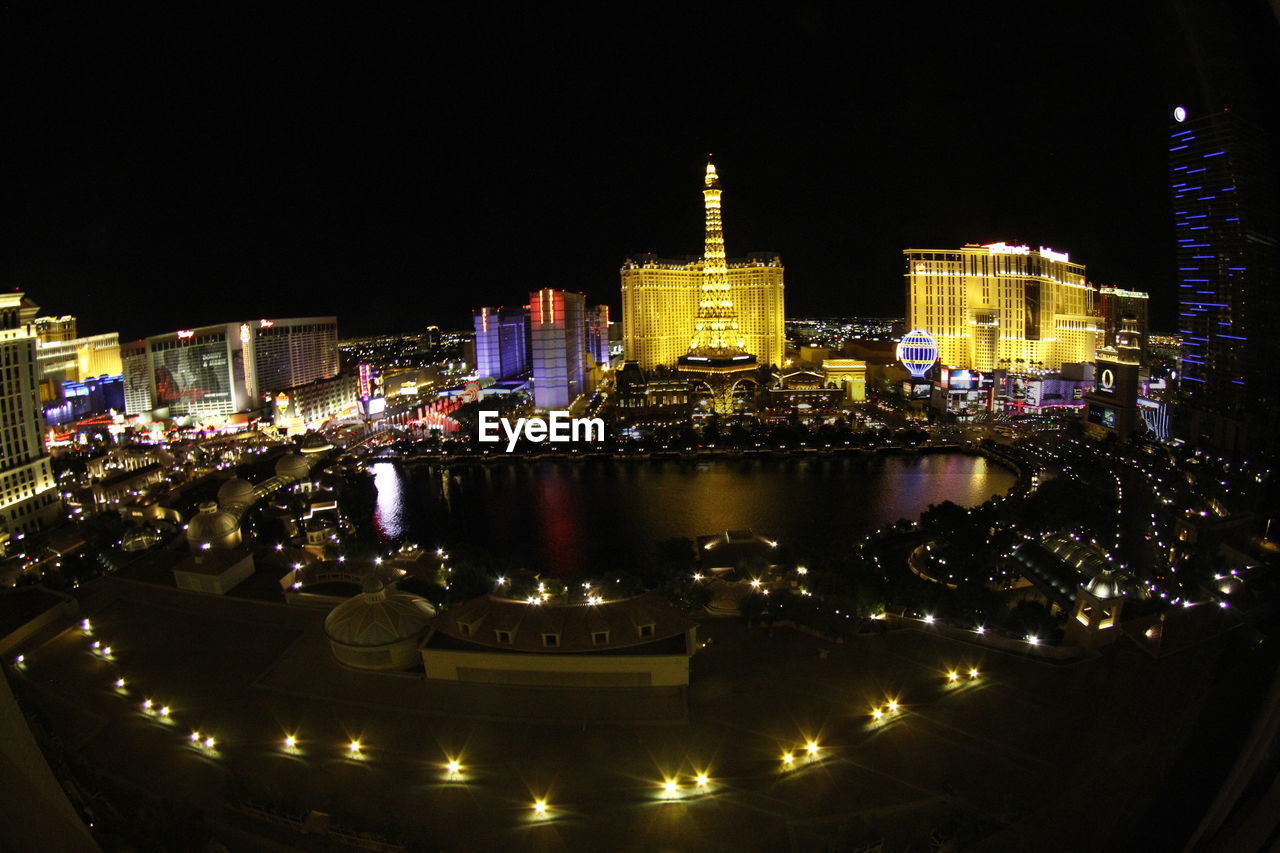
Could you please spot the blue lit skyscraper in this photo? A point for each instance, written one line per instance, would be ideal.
(1226, 271)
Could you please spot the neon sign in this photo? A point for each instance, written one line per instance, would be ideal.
(1046, 252)
(366, 380)
(183, 334)
(265, 324)
(1006, 249)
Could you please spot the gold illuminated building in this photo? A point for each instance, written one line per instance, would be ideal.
(671, 309)
(28, 491)
(998, 306)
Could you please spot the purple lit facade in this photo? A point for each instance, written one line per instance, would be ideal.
(1226, 268)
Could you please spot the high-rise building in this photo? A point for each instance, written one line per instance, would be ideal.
(598, 333)
(998, 306)
(28, 491)
(1114, 305)
(292, 352)
(65, 357)
(661, 299)
(202, 372)
(71, 360)
(1223, 205)
(226, 368)
(559, 333)
(503, 344)
(1111, 408)
(56, 328)
(135, 366)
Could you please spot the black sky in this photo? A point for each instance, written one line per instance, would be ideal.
(227, 163)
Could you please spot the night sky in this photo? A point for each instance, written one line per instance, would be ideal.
(225, 164)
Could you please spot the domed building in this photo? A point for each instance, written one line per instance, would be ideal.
(217, 563)
(236, 492)
(139, 538)
(1097, 610)
(293, 466)
(378, 629)
(213, 528)
(1105, 585)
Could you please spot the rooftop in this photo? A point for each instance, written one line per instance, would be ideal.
(626, 623)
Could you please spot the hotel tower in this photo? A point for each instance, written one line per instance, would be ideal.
(28, 490)
(1223, 193)
(998, 306)
(673, 309)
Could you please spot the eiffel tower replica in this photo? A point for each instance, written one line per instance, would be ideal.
(716, 352)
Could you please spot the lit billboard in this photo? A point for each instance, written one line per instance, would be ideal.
(193, 377)
(915, 390)
(1103, 416)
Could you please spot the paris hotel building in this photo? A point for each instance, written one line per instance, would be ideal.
(660, 301)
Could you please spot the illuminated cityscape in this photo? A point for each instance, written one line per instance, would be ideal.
(456, 541)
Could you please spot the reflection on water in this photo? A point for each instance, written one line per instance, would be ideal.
(574, 518)
(388, 513)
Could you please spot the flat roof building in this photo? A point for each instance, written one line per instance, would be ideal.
(640, 641)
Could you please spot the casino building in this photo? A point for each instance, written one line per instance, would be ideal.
(1111, 408)
(662, 299)
(996, 306)
(227, 368)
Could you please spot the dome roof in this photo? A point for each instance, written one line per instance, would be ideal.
(376, 617)
(236, 491)
(314, 442)
(139, 538)
(292, 465)
(210, 524)
(1105, 584)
